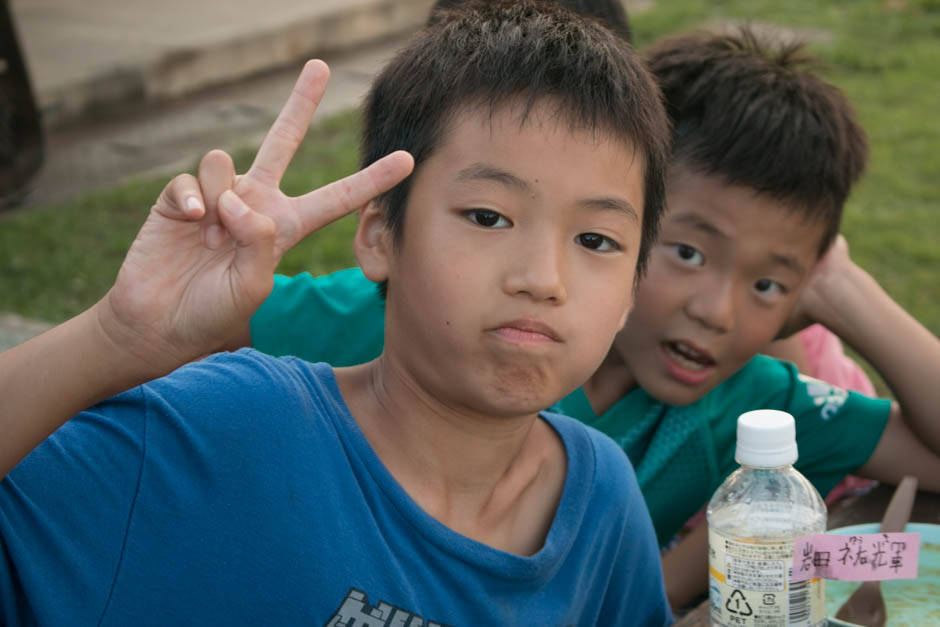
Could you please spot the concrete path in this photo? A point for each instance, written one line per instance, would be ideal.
(165, 138)
(135, 88)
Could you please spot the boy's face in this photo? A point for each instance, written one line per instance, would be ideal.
(515, 268)
(723, 278)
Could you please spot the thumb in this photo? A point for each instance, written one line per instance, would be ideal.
(253, 234)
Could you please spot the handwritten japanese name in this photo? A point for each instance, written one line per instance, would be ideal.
(864, 557)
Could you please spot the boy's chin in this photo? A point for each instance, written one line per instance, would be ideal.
(514, 407)
(675, 393)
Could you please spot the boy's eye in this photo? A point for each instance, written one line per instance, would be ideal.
(689, 255)
(594, 241)
(486, 218)
(768, 287)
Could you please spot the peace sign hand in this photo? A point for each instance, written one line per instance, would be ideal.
(204, 260)
(295, 218)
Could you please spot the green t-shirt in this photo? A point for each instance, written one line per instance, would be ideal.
(681, 454)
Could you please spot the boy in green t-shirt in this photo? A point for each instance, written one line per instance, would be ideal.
(765, 154)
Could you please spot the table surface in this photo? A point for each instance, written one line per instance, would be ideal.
(854, 510)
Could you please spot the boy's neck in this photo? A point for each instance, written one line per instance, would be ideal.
(497, 480)
(609, 383)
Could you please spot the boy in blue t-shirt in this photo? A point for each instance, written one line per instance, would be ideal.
(765, 155)
(425, 486)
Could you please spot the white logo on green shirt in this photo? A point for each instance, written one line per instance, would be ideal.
(827, 397)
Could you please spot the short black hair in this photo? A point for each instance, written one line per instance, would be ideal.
(496, 53)
(754, 112)
(611, 13)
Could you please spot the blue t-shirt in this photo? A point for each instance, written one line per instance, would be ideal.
(240, 490)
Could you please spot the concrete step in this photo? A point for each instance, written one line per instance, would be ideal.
(97, 56)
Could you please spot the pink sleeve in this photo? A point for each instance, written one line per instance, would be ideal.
(828, 362)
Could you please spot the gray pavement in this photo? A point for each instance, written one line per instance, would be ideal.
(101, 55)
(164, 138)
(139, 88)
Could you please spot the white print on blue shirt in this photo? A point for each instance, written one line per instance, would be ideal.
(827, 397)
(355, 611)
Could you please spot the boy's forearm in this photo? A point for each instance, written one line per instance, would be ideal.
(903, 351)
(48, 379)
(685, 568)
(789, 349)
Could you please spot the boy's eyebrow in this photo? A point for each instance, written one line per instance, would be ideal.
(697, 222)
(482, 171)
(788, 262)
(485, 172)
(610, 203)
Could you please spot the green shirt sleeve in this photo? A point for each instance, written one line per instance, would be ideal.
(836, 430)
(338, 318)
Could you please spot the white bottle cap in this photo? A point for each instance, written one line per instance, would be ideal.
(766, 439)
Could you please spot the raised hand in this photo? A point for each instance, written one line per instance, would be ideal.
(259, 187)
(820, 299)
(204, 260)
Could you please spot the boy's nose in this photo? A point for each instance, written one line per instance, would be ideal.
(538, 270)
(713, 305)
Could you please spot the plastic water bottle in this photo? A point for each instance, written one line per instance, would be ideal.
(753, 519)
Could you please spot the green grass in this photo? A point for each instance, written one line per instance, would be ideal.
(57, 260)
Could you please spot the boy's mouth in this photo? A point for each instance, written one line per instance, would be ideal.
(687, 356)
(527, 331)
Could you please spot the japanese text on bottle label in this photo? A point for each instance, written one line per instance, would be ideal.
(749, 586)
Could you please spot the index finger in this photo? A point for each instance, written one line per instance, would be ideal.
(331, 202)
(291, 125)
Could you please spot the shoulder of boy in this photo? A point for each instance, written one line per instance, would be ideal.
(349, 282)
(770, 383)
(226, 381)
(615, 476)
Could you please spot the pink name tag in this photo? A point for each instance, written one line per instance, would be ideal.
(863, 557)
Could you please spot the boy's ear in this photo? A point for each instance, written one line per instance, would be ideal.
(623, 318)
(372, 244)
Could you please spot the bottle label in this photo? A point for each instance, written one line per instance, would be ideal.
(749, 586)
